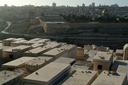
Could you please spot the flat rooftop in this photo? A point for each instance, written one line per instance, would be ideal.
(7, 76)
(79, 77)
(68, 47)
(82, 65)
(43, 41)
(52, 44)
(119, 51)
(65, 60)
(119, 62)
(19, 41)
(92, 52)
(5, 47)
(102, 57)
(18, 48)
(37, 45)
(47, 74)
(110, 79)
(54, 52)
(123, 69)
(39, 61)
(9, 39)
(18, 61)
(37, 50)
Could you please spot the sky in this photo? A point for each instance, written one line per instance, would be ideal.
(62, 2)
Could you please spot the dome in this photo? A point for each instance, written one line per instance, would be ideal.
(105, 11)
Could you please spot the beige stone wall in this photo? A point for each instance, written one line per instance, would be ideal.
(60, 27)
(73, 53)
(6, 43)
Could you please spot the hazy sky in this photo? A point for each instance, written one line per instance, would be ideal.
(63, 2)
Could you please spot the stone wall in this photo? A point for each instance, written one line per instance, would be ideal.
(60, 27)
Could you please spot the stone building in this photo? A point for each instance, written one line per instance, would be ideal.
(102, 61)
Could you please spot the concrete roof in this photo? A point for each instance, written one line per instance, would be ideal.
(35, 39)
(9, 39)
(43, 41)
(119, 62)
(37, 45)
(68, 47)
(54, 52)
(89, 47)
(119, 51)
(6, 76)
(18, 61)
(105, 55)
(37, 50)
(5, 47)
(111, 79)
(21, 47)
(82, 65)
(39, 61)
(65, 60)
(19, 41)
(101, 48)
(123, 69)
(92, 52)
(52, 44)
(79, 77)
(47, 74)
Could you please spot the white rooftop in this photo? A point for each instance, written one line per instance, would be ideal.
(55, 52)
(65, 60)
(18, 48)
(7, 76)
(52, 44)
(102, 57)
(79, 77)
(9, 39)
(110, 79)
(123, 69)
(37, 45)
(43, 41)
(37, 50)
(18, 61)
(119, 51)
(68, 47)
(47, 74)
(82, 65)
(39, 61)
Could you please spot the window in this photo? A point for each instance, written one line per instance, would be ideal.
(100, 67)
(11, 56)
